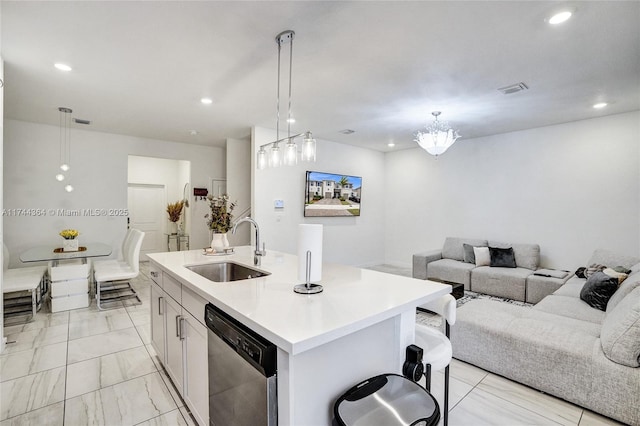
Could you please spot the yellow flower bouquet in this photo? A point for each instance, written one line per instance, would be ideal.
(69, 234)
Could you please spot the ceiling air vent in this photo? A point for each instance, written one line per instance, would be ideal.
(518, 87)
(81, 121)
(347, 131)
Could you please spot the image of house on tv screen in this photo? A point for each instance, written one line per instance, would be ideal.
(330, 195)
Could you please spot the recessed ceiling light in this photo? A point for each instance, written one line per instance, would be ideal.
(391, 144)
(600, 105)
(193, 132)
(560, 17)
(206, 101)
(62, 67)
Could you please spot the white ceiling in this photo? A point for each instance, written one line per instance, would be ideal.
(379, 68)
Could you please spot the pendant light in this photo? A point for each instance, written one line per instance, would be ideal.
(65, 144)
(272, 154)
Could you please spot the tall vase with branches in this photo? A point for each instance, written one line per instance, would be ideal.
(219, 220)
(174, 210)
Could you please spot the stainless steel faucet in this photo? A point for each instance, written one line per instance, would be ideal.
(257, 253)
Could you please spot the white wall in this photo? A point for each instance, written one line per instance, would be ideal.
(347, 240)
(239, 185)
(570, 188)
(99, 176)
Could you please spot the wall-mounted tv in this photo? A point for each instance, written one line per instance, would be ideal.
(332, 195)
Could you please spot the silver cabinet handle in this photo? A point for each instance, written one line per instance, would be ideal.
(160, 301)
(154, 274)
(178, 327)
(182, 333)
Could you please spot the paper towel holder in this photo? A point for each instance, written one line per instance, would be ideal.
(308, 287)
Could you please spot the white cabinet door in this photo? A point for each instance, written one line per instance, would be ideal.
(174, 359)
(196, 392)
(158, 328)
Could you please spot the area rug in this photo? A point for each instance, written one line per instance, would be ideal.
(434, 320)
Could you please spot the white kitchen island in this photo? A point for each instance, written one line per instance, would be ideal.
(358, 327)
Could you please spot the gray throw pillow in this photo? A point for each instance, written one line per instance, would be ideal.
(502, 257)
(598, 290)
(469, 256)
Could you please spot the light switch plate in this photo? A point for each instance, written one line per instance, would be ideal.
(278, 204)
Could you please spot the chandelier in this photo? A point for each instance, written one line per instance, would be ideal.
(272, 154)
(437, 137)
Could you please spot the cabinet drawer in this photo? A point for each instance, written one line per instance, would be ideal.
(193, 303)
(172, 287)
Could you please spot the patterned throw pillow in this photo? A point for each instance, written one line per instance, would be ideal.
(580, 272)
(617, 275)
(592, 269)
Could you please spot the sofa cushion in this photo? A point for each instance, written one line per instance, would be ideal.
(502, 257)
(452, 248)
(451, 270)
(571, 307)
(501, 282)
(539, 287)
(527, 255)
(611, 259)
(630, 284)
(587, 327)
(571, 288)
(598, 290)
(620, 334)
(548, 355)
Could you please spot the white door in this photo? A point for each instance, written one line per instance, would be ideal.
(147, 206)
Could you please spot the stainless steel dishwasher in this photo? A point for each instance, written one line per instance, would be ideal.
(242, 373)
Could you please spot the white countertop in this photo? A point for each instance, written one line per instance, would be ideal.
(352, 299)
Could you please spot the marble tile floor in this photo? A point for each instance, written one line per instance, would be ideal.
(86, 367)
(97, 367)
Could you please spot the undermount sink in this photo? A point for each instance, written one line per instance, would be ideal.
(224, 272)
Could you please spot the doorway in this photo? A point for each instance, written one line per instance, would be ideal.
(146, 205)
(153, 184)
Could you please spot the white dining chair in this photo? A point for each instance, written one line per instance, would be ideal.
(103, 264)
(113, 279)
(437, 353)
(19, 281)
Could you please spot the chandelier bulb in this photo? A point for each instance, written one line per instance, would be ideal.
(59, 177)
(64, 167)
(68, 188)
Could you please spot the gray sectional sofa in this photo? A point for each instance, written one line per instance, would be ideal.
(562, 346)
(450, 264)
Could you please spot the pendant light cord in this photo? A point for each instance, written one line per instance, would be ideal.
(278, 95)
(290, 78)
(60, 114)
